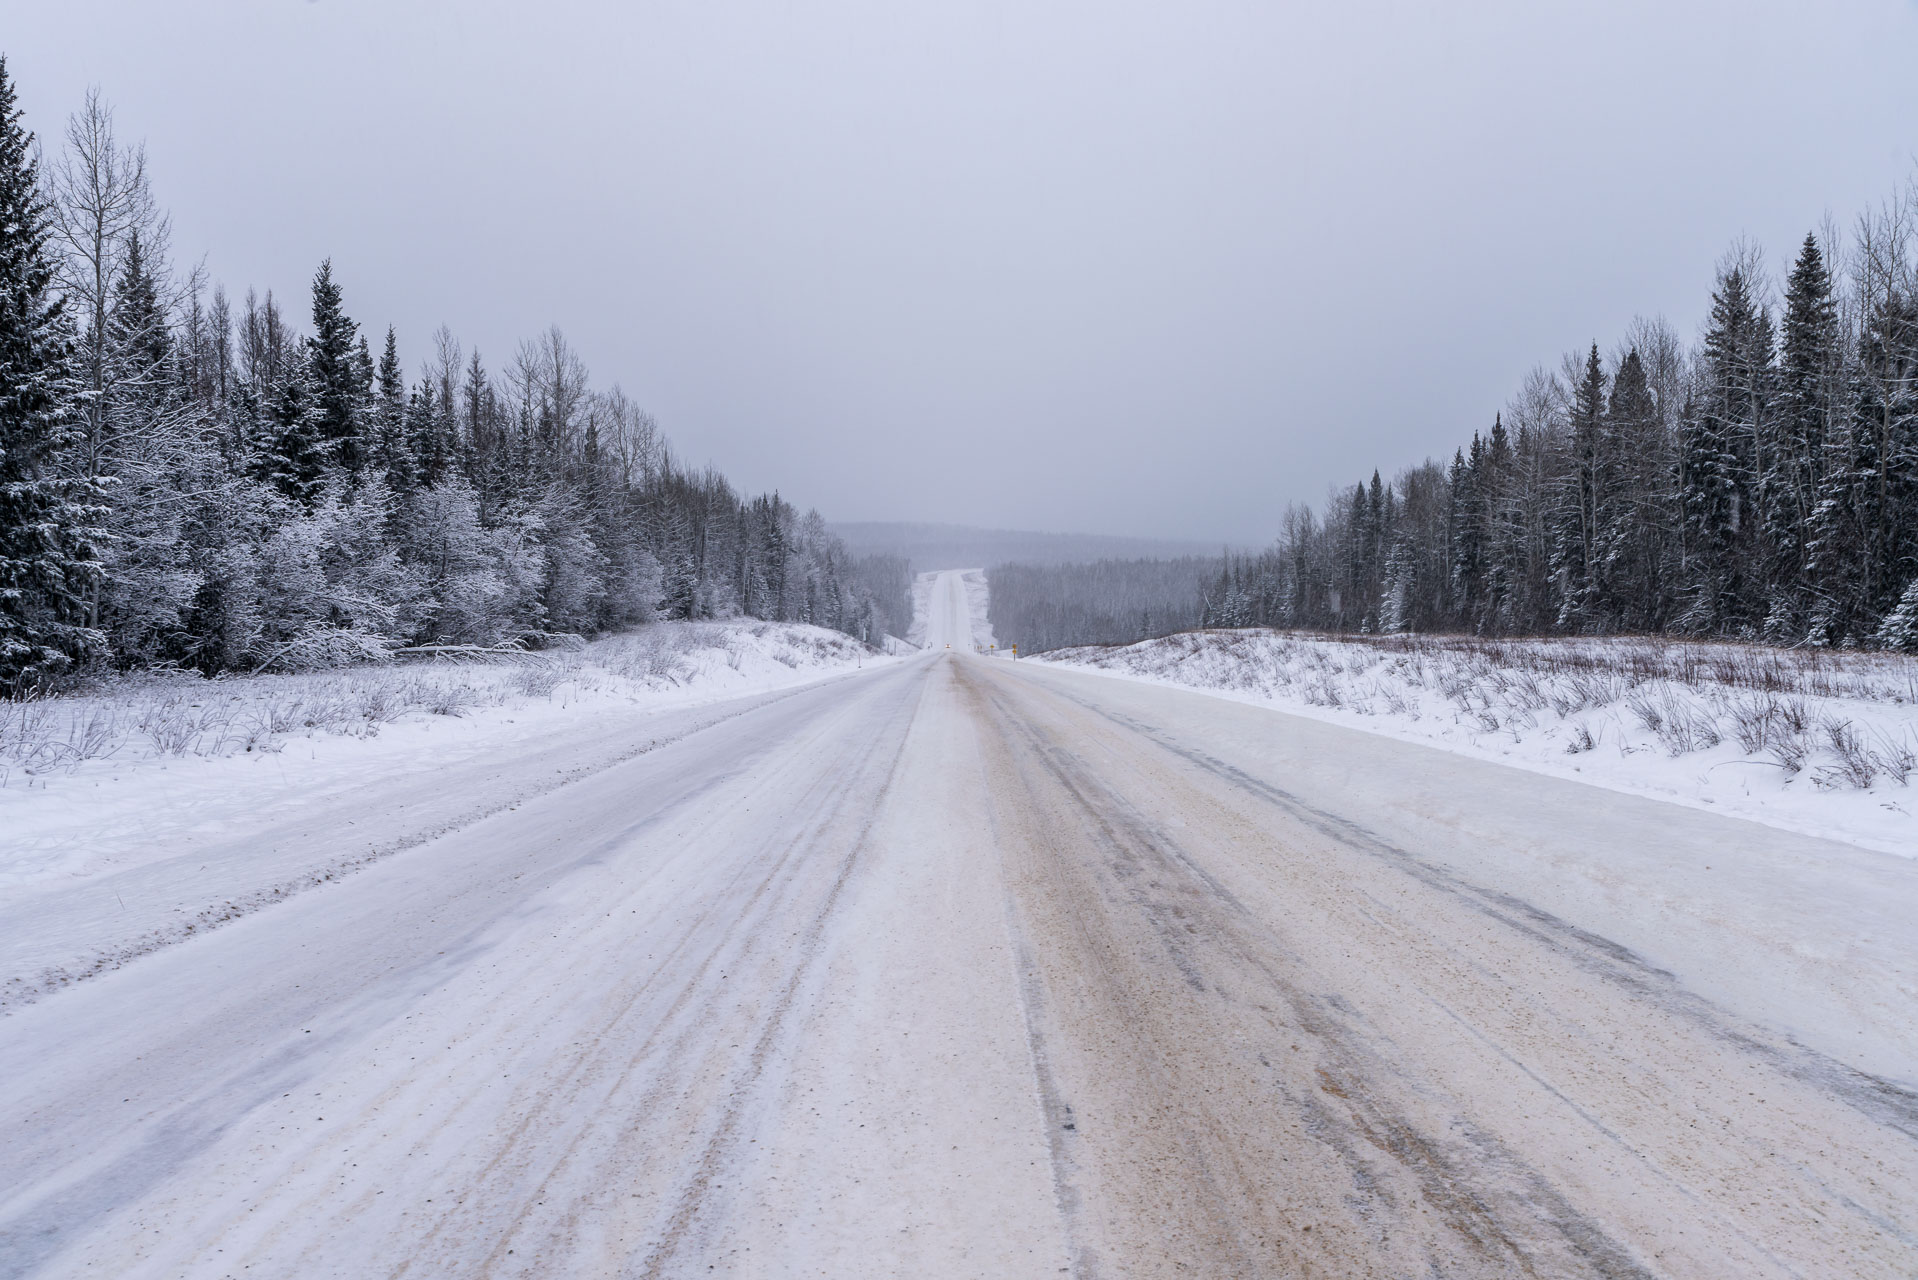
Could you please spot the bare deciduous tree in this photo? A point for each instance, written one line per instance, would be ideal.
(102, 201)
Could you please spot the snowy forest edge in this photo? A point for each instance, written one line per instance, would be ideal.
(189, 482)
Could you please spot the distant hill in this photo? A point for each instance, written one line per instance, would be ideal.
(957, 546)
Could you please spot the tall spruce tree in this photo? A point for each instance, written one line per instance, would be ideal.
(1465, 527)
(295, 455)
(154, 445)
(425, 438)
(1883, 478)
(49, 562)
(1504, 532)
(1807, 393)
(1575, 552)
(336, 375)
(1634, 521)
(1725, 456)
(393, 451)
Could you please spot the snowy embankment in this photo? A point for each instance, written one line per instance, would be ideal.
(1815, 741)
(144, 811)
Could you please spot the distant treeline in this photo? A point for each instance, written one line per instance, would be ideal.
(190, 481)
(1761, 485)
(1041, 607)
(932, 547)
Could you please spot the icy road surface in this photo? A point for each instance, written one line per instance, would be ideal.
(962, 968)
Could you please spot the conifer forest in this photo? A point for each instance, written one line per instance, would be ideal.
(232, 484)
(1761, 483)
(188, 479)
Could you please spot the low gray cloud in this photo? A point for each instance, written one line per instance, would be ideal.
(1136, 268)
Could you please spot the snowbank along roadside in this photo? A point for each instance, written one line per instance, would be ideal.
(139, 815)
(1819, 742)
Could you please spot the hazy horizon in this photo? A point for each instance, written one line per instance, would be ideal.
(1126, 270)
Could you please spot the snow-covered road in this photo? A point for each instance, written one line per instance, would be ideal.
(959, 967)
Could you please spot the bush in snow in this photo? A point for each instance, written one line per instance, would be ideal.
(1900, 629)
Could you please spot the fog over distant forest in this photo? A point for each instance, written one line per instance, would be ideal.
(1039, 606)
(949, 546)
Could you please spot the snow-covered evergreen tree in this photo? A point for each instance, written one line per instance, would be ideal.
(392, 449)
(1635, 522)
(154, 452)
(293, 454)
(49, 564)
(1724, 457)
(1899, 630)
(1808, 390)
(1584, 506)
(336, 376)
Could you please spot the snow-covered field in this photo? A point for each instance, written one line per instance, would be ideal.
(1815, 741)
(286, 781)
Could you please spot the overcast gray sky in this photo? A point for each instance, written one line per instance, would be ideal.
(1116, 267)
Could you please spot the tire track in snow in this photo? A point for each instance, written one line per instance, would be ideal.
(1369, 1095)
(21, 989)
(1883, 1101)
(1181, 903)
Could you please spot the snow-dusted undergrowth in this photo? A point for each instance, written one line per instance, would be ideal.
(205, 800)
(156, 768)
(1816, 740)
(149, 716)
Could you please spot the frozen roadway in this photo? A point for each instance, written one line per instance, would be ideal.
(960, 968)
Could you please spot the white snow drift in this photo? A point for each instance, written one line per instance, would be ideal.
(1815, 741)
